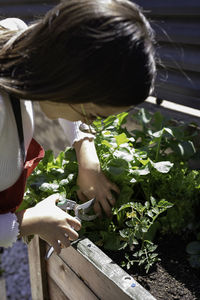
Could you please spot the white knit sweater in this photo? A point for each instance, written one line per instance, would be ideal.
(10, 159)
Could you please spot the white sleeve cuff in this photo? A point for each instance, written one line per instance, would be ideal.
(9, 229)
(72, 131)
(13, 24)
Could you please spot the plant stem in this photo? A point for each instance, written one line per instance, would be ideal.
(158, 148)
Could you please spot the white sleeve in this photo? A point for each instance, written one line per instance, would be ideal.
(72, 131)
(13, 24)
(9, 229)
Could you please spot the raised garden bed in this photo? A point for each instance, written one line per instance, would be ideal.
(83, 272)
(150, 166)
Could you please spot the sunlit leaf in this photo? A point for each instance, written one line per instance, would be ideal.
(162, 166)
(104, 142)
(121, 139)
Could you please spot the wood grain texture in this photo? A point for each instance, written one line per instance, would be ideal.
(55, 293)
(69, 283)
(105, 278)
(37, 267)
(2, 289)
(81, 271)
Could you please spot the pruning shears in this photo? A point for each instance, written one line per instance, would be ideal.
(80, 211)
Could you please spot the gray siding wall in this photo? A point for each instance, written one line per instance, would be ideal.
(177, 27)
(27, 10)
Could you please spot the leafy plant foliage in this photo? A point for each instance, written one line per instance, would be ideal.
(150, 167)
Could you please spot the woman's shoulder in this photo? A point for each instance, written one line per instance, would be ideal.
(13, 24)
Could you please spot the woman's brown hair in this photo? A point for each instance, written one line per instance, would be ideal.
(98, 51)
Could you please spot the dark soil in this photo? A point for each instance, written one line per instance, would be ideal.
(172, 278)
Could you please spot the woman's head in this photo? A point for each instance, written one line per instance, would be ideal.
(98, 51)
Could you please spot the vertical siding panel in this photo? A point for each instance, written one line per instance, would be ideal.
(27, 10)
(177, 27)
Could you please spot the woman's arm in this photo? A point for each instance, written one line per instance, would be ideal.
(91, 180)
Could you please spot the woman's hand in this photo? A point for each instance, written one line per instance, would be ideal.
(50, 223)
(93, 183)
(91, 180)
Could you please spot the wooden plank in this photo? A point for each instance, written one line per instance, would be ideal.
(69, 283)
(55, 293)
(105, 278)
(37, 267)
(3, 289)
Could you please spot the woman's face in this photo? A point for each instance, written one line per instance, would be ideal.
(86, 112)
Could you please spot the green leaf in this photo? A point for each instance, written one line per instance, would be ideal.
(124, 153)
(70, 155)
(133, 180)
(150, 214)
(118, 169)
(122, 118)
(158, 120)
(141, 172)
(121, 139)
(109, 121)
(153, 201)
(186, 149)
(125, 206)
(157, 134)
(162, 166)
(144, 162)
(169, 130)
(144, 116)
(59, 159)
(63, 182)
(49, 157)
(111, 241)
(193, 248)
(49, 187)
(125, 233)
(106, 143)
(164, 204)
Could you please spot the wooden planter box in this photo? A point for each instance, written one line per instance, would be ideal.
(80, 272)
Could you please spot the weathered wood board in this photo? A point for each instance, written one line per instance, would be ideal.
(81, 271)
(55, 293)
(105, 278)
(2, 289)
(37, 268)
(67, 280)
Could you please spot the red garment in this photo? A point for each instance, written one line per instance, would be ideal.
(11, 198)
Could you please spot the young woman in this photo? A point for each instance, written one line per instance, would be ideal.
(85, 58)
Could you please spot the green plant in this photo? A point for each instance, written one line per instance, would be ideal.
(147, 165)
(193, 250)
